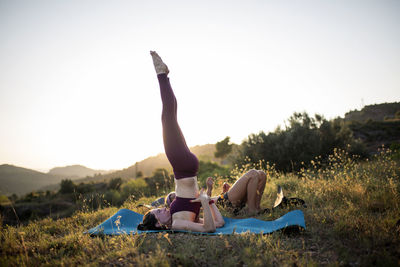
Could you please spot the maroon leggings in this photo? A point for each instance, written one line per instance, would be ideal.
(184, 163)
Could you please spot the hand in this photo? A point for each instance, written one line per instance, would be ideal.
(210, 182)
(202, 197)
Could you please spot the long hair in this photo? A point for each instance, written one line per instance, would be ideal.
(149, 223)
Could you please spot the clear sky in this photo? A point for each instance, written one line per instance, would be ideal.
(77, 84)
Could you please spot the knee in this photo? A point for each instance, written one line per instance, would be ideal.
(262, 175)
(253, 174)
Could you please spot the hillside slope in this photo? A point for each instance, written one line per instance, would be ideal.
(20, 181)
(75, 171)
(376, 112)
(375, 125)
(375, 134)
(150, 164)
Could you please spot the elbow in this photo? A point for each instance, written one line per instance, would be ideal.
(211, 229)
(174, 226)
(220, 224)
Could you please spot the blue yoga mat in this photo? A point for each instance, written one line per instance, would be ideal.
(126, 221)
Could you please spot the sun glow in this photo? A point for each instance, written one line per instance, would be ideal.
(78, 85)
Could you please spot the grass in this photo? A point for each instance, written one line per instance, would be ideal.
(351, 220)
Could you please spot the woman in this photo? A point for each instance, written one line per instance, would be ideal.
(161, 219)
(248, 189)
(184, 210)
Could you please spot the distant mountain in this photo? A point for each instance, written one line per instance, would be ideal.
(150, 164)
(17, 180)
(20, 181)
(75, 171)
(377, 112)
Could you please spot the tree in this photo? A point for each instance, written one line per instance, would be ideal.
(113, 197)
(136, 188)
(67, 186)
(115, 183)
(223, 147)
(207, 169)
(303, 139)
(160, 180)
(84, 188)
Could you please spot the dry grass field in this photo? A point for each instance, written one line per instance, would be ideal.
(353, 208)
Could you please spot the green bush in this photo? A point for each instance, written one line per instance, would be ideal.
(115, 183)
(83, 188)
(395, 148)
(113, 197)
(4, 200)
(136, 188)
(161, 182)
(67, 186)
(300, 142)
(207, 169)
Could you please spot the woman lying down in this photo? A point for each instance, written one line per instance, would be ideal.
(161, 219)
(246, 191)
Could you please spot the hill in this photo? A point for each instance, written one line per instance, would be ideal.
(375, 134)
(17, 180)
(20, 181)
(377, 112)
(150, 164)
(376, 125)
(75, 171)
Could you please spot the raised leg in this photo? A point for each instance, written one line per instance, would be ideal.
(262, 180)
(248, 188)
(252, 194)
(184, 163)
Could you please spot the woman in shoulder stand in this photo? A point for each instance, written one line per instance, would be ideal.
(183, 213)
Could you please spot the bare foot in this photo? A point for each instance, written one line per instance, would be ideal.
(159, 65)
(225, 187)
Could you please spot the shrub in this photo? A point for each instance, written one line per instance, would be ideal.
(115, 183)
(113, 197)
(135, 187)
(303, 139)
(161, 182)
(207, 169)
(67, 186)
(83, 188)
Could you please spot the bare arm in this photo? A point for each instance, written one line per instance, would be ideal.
(219, 221)
(207, 225)
(210, 183)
